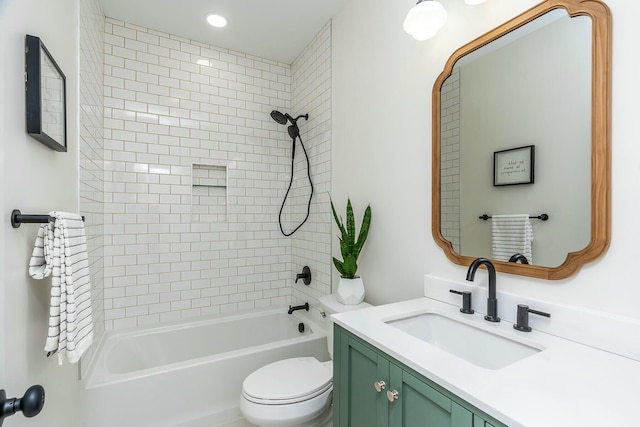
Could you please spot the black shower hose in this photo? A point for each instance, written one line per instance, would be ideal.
(293, 157)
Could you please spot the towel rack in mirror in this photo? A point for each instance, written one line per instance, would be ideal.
(542, 217)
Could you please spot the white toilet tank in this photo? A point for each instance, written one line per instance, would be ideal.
(331, 306)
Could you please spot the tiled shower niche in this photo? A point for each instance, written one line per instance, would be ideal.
(208, 193)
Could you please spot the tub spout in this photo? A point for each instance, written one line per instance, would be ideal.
(305, 306)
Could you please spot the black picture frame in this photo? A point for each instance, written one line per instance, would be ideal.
(514, 166)
(46, 100)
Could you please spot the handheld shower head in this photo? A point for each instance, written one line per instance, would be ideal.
(294, 132)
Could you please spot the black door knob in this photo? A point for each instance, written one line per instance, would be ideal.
(30, 404)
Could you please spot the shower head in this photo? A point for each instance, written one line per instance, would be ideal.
(281, 118)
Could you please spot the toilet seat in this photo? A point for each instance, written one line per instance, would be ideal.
(288, 381)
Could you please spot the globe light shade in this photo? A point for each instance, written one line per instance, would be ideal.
(474, 2)
(425, 19)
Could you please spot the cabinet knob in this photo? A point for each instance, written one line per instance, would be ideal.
(392, 395)
(380, 385)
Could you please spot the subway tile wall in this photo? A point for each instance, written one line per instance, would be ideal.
(450, 160)
(171, 103)
(91, 169)
(311, 93)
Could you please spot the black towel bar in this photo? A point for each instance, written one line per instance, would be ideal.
(17, 218)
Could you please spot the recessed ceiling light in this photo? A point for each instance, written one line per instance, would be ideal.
(216, 20)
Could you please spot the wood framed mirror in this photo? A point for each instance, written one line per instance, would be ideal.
(543, 79)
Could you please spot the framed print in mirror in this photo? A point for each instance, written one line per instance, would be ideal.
(514, 166)
(45, 96)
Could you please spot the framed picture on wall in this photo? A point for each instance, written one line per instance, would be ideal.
(514, 166)
(46, 96)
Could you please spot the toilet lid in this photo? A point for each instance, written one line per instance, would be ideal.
(288, 380)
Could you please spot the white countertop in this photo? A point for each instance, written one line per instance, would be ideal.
(566, 384)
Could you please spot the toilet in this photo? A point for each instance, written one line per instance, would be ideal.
(297, 391)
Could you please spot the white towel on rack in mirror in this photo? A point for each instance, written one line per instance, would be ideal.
(60, 251)
(511, 234)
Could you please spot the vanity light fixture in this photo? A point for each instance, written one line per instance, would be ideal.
(216, 20)
(425, 19)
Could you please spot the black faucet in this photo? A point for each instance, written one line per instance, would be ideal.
(519, 257)
(305, 306)
(492, 301)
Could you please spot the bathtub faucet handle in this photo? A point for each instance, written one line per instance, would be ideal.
(305, 275)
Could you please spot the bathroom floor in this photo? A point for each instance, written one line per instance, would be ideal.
(240, 422)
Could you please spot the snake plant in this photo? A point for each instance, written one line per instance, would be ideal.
(350, 247)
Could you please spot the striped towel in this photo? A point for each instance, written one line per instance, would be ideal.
(511, 234)
(60, 251)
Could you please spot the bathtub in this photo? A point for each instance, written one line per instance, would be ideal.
(189, 374)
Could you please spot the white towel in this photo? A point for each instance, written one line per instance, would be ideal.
(60, 250)
(511, 234)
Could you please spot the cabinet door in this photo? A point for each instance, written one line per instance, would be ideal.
(419, 405)
(356, 401)
(479, 422)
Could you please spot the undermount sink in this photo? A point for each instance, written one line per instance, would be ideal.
(482, 348)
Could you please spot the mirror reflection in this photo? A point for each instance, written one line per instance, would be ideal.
(530, 87)
(52, 99)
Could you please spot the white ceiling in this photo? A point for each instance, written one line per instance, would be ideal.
(275, 29)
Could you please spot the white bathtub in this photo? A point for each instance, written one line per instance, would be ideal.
(189, 374)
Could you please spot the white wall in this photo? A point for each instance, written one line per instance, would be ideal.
(382, 83)
(3, 346)
(36, 180)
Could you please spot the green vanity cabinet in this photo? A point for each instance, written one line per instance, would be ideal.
(371, 389)
(356, 368)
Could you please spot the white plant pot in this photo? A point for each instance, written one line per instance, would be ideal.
(350, 291)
